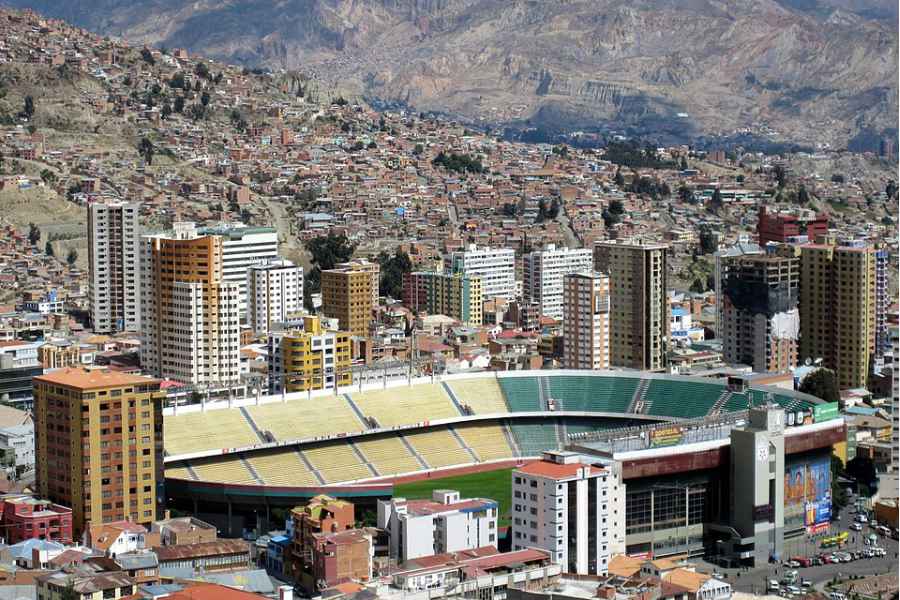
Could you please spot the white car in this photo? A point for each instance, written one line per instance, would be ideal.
(856, 526)
(861, 518)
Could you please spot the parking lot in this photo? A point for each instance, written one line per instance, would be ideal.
(756, 580)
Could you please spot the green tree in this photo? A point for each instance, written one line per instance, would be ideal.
(780, 175)
(204, 99)
(166, 111)
(28, 109)
(34, 234)
(619, 179)
(179, 104)
(821, 383)
(202, 70)
(48, 176)
(708, 242)
(802, 195)
(715, 204)
(177, 81)
(48, 249)
(684, 163)
(69, 593)
(147, 56)
(838, 495)
(862, 470)
(327, 251)
(392, 270)
(146, 150)
(71, 257)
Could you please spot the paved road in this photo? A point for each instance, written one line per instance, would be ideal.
(755, 580)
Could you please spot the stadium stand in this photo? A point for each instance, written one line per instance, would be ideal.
(228, 469)
(534, 438)
(599, 394)
(282, 467)
(297, 419)
(686, 399)
(439, 448)
(486, 440)
(522, 393)
(736, 402)
(337, 462)
(483, 396)
(388, 455)
(213, 429)
(399, 406)
(178, 473)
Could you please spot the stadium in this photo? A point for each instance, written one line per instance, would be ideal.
(240, 464)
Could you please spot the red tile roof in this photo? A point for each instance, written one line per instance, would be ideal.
(553, 470)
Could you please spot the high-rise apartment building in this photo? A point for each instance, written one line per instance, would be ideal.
(372, 268)
(243, 246)
(113, 255)
(882, 302)
(543, 272)
(190, 323)
(895, 398)
(347, 297)
(586, 321)
(98, 440)
(495, 266)
(274, 293)
(312, 359)
(761, 318)
(639, 318)
(456, 296)
(837, 309)
(572, 510)
(742, 248)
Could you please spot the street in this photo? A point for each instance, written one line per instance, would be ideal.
(755, 580)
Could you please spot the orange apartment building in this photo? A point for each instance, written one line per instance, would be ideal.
(347, 297)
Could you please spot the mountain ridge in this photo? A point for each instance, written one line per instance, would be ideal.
(813, 72)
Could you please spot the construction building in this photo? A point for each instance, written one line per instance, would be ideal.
(113, 254)
(190, 321)
(347, 297)
(98, 441)
(639, 313)
(312, 359)
(586, 312)
(274, 293)
(742, 248)
(543, 272)
(837, 309)
(456, 295)
(761, 318)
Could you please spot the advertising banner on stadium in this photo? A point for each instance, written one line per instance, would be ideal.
(825, 412)
(807, 488)
(666, 436)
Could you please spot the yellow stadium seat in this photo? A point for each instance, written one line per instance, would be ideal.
(388, 455)
(337, 463)
(404, 406)
(439, 448)
(298, 419)
(210, 430)
(483, 396)
(486, 440)
(282, 467)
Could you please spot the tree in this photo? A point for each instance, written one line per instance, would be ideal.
(890, 189)
(821, 383)
(146, 150)
(69, 593)
(204, 99)
(619, 179)
(684, 164)
(419, 149)
(48, 176)
(166, 111)
(328, 250)
(708, 241)
(28, 109)
(838, 495)
(179, 104)
(48, 249)
(715, 204)
(802, 195)
(34, 234)
(177, 81)
(780, 175)
(837, 178)
(71, 257)
(392, 270)
(862, 470)
(202, 70)
(147, 56)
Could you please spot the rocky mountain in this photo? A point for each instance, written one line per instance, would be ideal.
(811, 71)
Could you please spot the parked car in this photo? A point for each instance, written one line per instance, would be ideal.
(861, 518)
(856, 526)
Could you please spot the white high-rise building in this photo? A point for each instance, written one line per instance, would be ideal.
(274, 293)
(586, 321)
(190, 323)
(495, 266)
(243, 246)
(543, 272)
(573, 510)
(113, 255)
(446, 523)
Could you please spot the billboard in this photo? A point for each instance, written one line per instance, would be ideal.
(666, 436)
(825, 412)
(807, 487)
